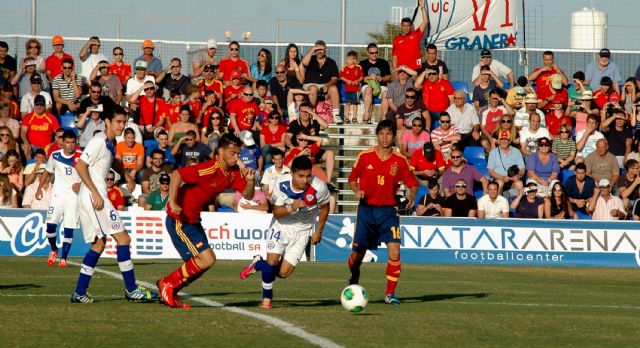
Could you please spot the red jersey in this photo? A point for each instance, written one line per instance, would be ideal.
(554, 122)
(51, 147)
(293, 153)
(406, 49)
(379, 178)
(172, 113)
(123, 71)
(562, 93)
(351, 74)
(436, 95)
(116, 197)
(271, 137)
(601, 98)
(53, 64)
(227, 66)
(213, 85)
(40, 129)
(246, 113)
(203, 182)
(146, 111)
(228, 91)
(491, 119)
(196, 108)
(420, 163)
(543, 82)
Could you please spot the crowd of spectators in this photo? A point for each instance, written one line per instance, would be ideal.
(551, 147)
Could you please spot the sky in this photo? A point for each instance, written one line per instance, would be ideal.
(547, 21)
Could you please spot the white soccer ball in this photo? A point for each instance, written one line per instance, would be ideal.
(354, 298)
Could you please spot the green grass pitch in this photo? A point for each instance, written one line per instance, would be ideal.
(460, 306)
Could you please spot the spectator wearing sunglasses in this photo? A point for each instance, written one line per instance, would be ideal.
(460, 204)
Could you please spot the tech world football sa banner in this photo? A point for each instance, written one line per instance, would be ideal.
(471, 24)
(497, 242)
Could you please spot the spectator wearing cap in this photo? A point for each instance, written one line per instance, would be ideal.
(558, 116)
(8, 64)
(175, 79)
(210, 83)
(461, 170)
(492, 205)
(233, 63)
(136, 82)
(119, 67)
(233, 91)
(617, 133)
(543, 166)
(460, 203)
(582, 108)
(406, 45)
(603, 66)
(445, 135)
(37, 127)
(158, 199)
(53, 63)
(89, 123)
(556, 91)
(427, 163)
(577, 89)
(208, 57)
(152, 175)
(250, 154)
(437, 94)
(154, 64)
(527, 204)
(516, 94)
(487, 83)
(321, 77)
(189, 148)
(521, 118)
(604, 205)
(529, 136)
(23, 79)
(501, 70)
(506, 164)
(542, 76)
(96, 99)
(602, 164)
(606, 95)
(465, 118)
(587, 138)
(67, 88)
(90, 56)
(110, 84)
(26, 103)
(492, 117)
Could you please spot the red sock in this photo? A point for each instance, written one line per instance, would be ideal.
(184, 274)
(393, 273)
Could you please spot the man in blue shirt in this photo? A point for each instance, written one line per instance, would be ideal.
(603, 67)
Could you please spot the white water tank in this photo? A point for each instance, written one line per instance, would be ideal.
(588, 29)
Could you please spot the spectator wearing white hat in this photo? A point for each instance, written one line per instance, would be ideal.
(604, 205)
(521, 118)
(207, 58)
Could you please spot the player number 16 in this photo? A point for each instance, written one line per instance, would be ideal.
(380, 179)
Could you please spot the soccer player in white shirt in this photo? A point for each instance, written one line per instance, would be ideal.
(299, 199)
(98, 217)
(64, 204)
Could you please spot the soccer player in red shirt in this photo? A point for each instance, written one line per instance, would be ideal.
(374, 180)
(203, 182)
(244, 112)
(406, 46)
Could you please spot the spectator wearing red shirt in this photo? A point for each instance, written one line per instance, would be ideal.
(210, 83)
(37, 127)
(351, 75)
(119, 67)
(243, 112)
(233, 92)
(53, 63)
(427, 164)
(207, 109)
(406, 46)
(491, 116)
(152, 108)
(557, 117)
(233, 63)
(114, 192)
(437, 94)
(272, 136)
(542, 75)
(556, 88)
(606, 93)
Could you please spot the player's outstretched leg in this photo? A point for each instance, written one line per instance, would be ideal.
(89, 263)
(66, 246)
(393, 273)
(354, 263)
(250, 269)
(51, 237)
(170, 285)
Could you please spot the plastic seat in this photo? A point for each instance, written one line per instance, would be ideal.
(475, 155)
(565, 174)
(68, 120)
(422, 190)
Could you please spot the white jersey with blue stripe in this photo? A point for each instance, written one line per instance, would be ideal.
(314, 195)
(99, 155)
(64, 170)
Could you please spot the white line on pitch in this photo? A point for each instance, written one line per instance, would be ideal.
(278, 323)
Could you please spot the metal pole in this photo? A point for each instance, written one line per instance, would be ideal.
(277, 52)
(524, 40)
(343, 29)
(33, 17)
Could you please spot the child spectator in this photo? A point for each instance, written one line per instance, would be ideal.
(351, 74)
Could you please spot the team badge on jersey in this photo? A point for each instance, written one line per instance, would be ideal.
(394, 169)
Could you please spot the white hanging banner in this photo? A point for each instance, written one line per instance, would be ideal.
(471, 24)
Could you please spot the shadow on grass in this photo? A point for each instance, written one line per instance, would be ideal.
(19, 286)
(436, 297)
(289, 303)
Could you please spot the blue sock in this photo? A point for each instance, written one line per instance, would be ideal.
(51, 236)
(86, 271)
(267, 279)
(66, 242)
(126, 267)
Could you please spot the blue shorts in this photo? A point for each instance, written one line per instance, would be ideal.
(351, 98)
(189, 239)
(374, 226)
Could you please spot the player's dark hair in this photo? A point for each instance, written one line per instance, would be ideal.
(582, 166)
(117, 110)
(228, 139)
(387, 124)
(69, 134)
(301, 163)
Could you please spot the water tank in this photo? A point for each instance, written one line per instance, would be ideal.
(588, 29)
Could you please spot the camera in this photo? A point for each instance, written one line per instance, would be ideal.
(97, 108)
(530, 189)
(610, 110)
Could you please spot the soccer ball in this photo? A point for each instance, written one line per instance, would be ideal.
(354, 298)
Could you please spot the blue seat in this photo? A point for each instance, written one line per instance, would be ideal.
(506, 86)
(224, 209)
(422, 190)
(482, 168)
(68, 121)
(435, 124)
(565, 174)
(475, 155)
(463, 86)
